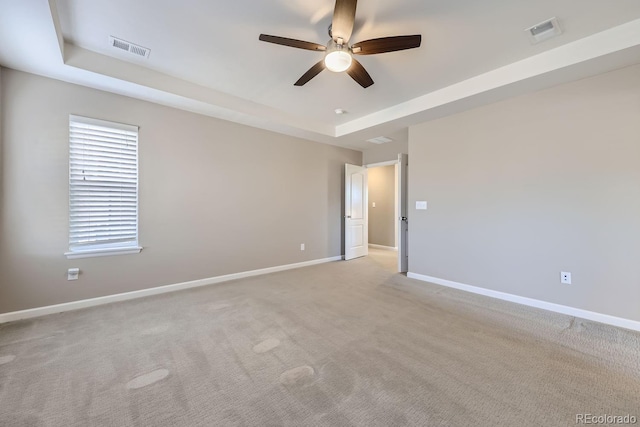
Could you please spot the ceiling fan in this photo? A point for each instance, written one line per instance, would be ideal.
(338, 54)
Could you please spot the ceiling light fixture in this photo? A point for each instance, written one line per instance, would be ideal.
(338, 58)
(340, 111)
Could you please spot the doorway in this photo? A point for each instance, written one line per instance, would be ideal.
(383, 206)
(384, 199)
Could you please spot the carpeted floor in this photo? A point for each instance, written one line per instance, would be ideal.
(339, 344)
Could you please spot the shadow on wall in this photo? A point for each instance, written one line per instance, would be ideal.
(334, 178)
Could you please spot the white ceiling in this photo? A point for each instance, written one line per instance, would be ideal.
(206, 56)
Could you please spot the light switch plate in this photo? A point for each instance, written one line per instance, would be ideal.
(421, 206)
(72, 273)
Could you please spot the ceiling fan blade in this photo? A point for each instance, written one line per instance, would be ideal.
(359, 74)
(344, 15)
(386, 44)
(313, 71)
(300, 44)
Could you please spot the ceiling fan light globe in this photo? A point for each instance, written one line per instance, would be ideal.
(338, 61)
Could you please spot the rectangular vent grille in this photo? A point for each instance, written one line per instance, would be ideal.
(538, 29)
(380, 140)
(544, 30)
(129, 47)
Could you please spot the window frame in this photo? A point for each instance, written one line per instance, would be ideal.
(112, 248)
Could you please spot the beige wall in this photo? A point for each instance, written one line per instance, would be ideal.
(523, 189)
(382, 218)
(385, 152)
(215, 197)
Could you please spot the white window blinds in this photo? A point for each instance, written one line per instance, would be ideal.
(103, 185)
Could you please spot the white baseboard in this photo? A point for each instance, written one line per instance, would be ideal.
(75, 305)
(563, 309)
(386, 248)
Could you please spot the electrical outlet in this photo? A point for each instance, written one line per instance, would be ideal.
(302, 246)
(565, 277)
(72, 273)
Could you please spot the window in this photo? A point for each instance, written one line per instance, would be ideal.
(103, 188)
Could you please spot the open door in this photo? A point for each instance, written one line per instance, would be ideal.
(356, 228)
(403, 222)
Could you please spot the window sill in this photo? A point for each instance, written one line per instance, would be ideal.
(90, 253)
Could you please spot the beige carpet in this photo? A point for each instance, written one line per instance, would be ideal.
(339, 344)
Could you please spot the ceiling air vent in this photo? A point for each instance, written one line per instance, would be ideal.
(129, 47)
(544, 30)
(380, 140)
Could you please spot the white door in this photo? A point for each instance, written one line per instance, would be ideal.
(356, 228)
(403, 222)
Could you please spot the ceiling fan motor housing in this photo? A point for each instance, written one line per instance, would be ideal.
(338, 57)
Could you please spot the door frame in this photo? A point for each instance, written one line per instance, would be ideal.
(397, 192)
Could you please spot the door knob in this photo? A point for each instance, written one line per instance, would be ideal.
(404, 218)
(347, 216)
